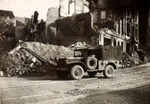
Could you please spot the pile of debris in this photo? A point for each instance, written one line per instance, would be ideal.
(20, 61)
(79, 45)
(131, 60)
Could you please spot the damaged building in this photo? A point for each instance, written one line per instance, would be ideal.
(116, 23)
(7, 29)
(64, 15)
(95, 22)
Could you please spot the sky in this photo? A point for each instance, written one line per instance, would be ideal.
(26, 8)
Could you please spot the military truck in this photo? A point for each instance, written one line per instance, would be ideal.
(92, 60)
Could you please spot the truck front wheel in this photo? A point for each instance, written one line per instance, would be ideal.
(109, 70)
(76, 72)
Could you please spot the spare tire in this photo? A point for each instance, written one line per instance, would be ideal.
(91, 63)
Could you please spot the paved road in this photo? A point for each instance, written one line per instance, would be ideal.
(50, 90)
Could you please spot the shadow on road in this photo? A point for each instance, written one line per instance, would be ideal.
(48, 76)
(139, 95)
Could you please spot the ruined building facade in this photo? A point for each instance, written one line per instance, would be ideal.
(67, 8)
(71, 7)
(119, 27)
(7, 29)
(118, 23)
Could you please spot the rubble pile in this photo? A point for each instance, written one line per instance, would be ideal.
(79, 45)
(17, 64)
(131, 60)
(48, 52)
(19, 61)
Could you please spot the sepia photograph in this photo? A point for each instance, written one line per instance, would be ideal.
(74, 52)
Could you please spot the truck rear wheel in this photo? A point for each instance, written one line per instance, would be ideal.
(108, 72)
(76, 72)
(92, 74)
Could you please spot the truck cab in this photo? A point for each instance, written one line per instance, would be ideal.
(92, 60)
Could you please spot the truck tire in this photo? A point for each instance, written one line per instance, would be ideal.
(76, 72)
(92, 74)
(91, 63)
(109, 70)
(61, 74)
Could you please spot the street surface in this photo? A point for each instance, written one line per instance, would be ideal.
(97, 90)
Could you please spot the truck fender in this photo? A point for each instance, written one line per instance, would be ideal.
(78, 63)
(113, 64)
(103, 64)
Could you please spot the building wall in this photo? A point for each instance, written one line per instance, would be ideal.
(7, 30)
(20, 25)
(70, 7)
(7, 23)
(74, 26)
(52, 15)
(128, 26)
(66, 12)
(124, 25)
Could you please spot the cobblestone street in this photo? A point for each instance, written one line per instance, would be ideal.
(51, 90)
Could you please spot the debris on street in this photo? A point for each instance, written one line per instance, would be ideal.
(19, 61)
(131, 60)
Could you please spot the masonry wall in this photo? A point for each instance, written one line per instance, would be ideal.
(72, 29)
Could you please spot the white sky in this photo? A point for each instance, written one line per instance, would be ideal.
(26, 8)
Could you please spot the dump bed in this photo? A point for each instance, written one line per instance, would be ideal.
(104, 52)
(111, 53)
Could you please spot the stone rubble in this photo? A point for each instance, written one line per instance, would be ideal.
(19, 61)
